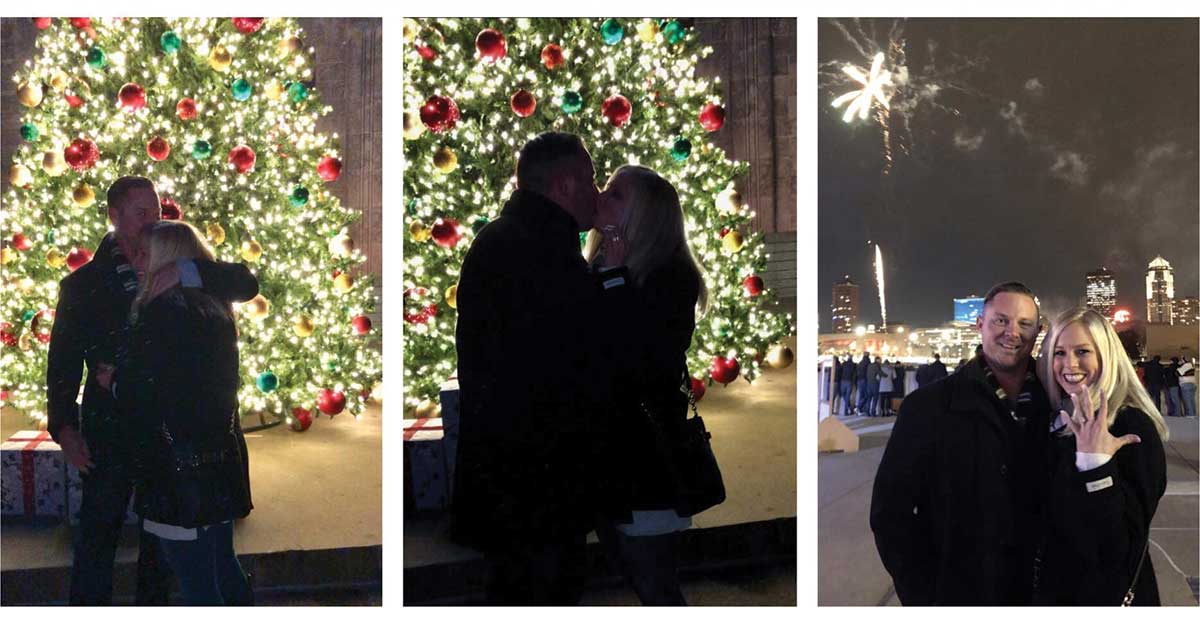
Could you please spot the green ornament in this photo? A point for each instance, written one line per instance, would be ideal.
(724, 329)
(201, 149)
(681, 149)
(332, 366)
(611, 31)
(241, 89)
(170, 42)
(297, 91)
(478, 224)
(29, 132)
(97, 58)
(267, 381)
(673, 32)
(572, 102)
(28, 315)
(299, 196)
(412, 204)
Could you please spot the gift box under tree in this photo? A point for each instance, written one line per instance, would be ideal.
(32, 477)
(427, 485)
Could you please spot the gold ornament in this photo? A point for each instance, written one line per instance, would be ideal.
(341, 245)
(19, 176)
(303, 326)
(732, 242)
(215, 233)
(409, 29)
(25, 342)
(257, 308)
(413, 128)
(220, 59)
(274, 90)
(780, 356)
(251, 250)
(427, 409)
(729, 200)
(445, 160)
(30, 94)
(59, 81)
(288, 45)
(55, 258)
(419, 232)
(26, 285)
(452, 296)
(53, 162)
(647, 30)
(7, 255)
(343, 283)
(83, 196)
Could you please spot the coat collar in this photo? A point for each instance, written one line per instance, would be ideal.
(541, 214)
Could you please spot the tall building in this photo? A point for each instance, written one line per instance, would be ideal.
(1160, 292)
(1186, 311)
(845, 306)
(1102, 291)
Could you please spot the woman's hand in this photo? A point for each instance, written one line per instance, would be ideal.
(1091, 427)
(164, 278)
(613, 248)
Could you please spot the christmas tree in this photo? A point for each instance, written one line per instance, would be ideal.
(221, 115)
(475, 90)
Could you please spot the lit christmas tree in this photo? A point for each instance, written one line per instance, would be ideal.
(221, 115)
(475, 90)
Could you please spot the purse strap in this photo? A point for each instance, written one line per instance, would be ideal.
(1128, 600)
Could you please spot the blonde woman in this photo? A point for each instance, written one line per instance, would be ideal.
(1108, 473)
(639, 225)
(176, 382)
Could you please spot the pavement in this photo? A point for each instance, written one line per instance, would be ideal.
(849, 570)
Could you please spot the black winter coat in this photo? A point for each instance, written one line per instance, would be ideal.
(955, 497)
(89, 322)
(177, 386)
(534, 380)
(848, 371)
(1094, 539)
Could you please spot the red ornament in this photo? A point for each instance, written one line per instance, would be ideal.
(80, 22)
(361, 325)
(41, 324)
(753, 285)
(20, 242)
(242, 157)
(552, 56)
(616, 109)
(186, 109)
(42, 23)
(446, 232)
(4, 395)
(439, 113)
(422, 315)
(73, 101)
(247, 25)
(81, 154)
(724, 231)
(523, 103)
(6, 334)
(712, 117)
(724, 370)
(491, 45)
(77, 257)
(330, 402)
(426, 52)
(329, 168)
(302, 419)
(131, 97)
(698, 389)
(158, 148)
(169, 210)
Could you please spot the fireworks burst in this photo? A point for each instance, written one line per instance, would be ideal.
(879, 282)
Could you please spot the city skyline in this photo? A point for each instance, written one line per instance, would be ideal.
(1054, 154)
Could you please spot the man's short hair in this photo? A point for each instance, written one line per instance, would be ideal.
(122, 186)
(1012, 287)
(937, 356)
(543, 157)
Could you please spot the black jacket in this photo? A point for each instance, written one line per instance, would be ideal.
(90, 315)
(655, 330)
(1094, 539)
(533, 379)
(956, 495)
(176, 387)
(848, 371)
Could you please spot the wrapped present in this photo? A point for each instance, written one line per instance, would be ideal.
(448, 398)
(32, 477)
(425, 463)
(75, 499)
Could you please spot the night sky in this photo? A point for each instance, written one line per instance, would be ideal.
(1072, 144)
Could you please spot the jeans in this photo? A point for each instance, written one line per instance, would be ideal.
(106, 492)
(1155, 392)
(844, 388)
(551, 573)
(649, 563)
(1188, 391)
(208, 569)
(1174, 402)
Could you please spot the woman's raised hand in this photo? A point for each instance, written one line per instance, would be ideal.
(1091, 427)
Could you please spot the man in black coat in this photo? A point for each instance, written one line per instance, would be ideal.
(93, 305)
(1155, 379)
(848, 372)
(958, 491)
(533, 383)
(864, 394)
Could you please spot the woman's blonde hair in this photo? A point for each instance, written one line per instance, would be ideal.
(1118, 380)
(654, 230)
(167, 241)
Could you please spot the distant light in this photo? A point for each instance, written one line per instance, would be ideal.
(860, 331)
(870, 328)
(900, 330)
(1122, 316)
(912, 337)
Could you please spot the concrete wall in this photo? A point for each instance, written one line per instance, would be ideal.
(1172, 340)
